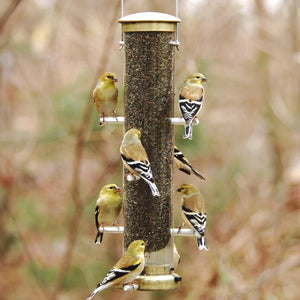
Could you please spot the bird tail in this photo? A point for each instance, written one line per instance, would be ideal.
(100, 287)
(202, 242)
(197, 173)
(188, 130)
(99, 237)
(154, 189)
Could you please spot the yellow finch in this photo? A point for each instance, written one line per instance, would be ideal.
(126, 269)
(182, 164)
(193, 212)
(105, 94)
(135, 158)
(108, 207)
(190, 101)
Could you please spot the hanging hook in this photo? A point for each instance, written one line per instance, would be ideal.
(176, 43)
(122, 35)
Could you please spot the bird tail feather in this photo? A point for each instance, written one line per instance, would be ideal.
(100, 287)
(202, 243)
(197, 174)
(154, 189)
(188, 130)
(99, 237)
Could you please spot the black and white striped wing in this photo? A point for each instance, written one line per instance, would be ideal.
(141, 167)
(197, 220)
(99, 235)
(178, 155)
(188, 108)
(113, 276)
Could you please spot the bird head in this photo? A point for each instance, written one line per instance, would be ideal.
(136, 247)
(131, 136)
(196, 78)
(111, 188)
(108, 78)
(187, 189)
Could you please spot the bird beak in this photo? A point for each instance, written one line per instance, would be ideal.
(115, 80)
(118, 189)
(204, 79)
(178, 190)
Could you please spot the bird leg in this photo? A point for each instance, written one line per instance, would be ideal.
(102, 225)
(102, 123)
(115, 115)
(180, 227)
(116, 223)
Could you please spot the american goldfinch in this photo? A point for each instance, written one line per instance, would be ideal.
(193, 212)
(105, 94)
(108, 207)
(135, 158)
(182, 164)
(190, 101)
(126, 269)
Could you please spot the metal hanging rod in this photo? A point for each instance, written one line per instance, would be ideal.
(175, 43)
(122, 35)
(120, 120)
(173, 231)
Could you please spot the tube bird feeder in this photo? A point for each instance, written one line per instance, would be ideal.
(149, 106)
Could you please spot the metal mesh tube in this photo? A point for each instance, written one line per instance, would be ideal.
(148, 105)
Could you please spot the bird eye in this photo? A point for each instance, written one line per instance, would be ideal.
(198, 77)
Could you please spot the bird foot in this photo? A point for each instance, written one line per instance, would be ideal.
(130, 286)
(117, 225)
(132, 177)
(180, 227)
(115, 115)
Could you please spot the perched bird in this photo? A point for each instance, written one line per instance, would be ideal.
(182, 164)
(190, 101)
(108, 207)
(126, 269)
(135, 158)
(193, 212)
(105, 95)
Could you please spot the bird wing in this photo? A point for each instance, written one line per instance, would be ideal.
(196, 219)
(189, 109)
(193, 209)
(136, 158)
(178, 155)
(97, 210)
(190, 101)
(118, 274)
(141, 168)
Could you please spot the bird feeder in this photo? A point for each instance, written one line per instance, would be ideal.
(148, 106)
(149, 40)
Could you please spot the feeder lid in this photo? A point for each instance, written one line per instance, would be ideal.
(149, 21)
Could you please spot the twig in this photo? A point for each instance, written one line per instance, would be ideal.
(77, 162)
(9, 11)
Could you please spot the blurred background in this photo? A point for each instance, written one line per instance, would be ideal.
(55, 157)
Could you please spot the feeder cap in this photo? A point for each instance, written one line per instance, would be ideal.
(149, 21)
